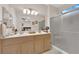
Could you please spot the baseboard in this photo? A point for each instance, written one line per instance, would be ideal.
(60, 50)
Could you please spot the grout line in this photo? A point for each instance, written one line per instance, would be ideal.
(60, 50)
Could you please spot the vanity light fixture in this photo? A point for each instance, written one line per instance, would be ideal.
(36, 13)
(30, 12)
(26, 11)
(33, 12)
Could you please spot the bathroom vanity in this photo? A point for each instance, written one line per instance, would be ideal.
(23, 34)
(25, 43)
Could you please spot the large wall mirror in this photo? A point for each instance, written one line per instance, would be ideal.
(24, 23)
(29, 23)
(7, 20)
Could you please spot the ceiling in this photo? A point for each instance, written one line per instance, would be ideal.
(42, 8)
(59, 6)
(62, 6)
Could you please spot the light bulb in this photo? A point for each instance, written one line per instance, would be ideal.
(32, 12)
(36, 13)
(24, 11)
(27, 11)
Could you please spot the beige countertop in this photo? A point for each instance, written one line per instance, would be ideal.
(25, 34)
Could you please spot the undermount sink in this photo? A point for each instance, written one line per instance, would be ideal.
(32, 32)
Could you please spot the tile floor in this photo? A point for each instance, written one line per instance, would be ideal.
(52, 51)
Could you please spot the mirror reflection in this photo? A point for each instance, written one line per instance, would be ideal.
(21, 20)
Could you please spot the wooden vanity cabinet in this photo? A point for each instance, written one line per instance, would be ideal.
(38, 44)
(18, 45)
(46, 42)
(0, 46)
(26, 45)
(11, 45)
(42, 43)
(11, 49)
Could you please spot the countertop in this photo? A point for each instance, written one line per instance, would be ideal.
(25, 34)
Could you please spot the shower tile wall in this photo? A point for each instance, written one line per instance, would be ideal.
(65, 32)
(55, 29)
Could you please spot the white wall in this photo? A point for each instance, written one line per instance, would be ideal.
(0, 13)
(53, 11)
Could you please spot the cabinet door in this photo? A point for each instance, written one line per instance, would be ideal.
(27, 47)
(38, 44)
(46, 42)
(11, 49)
(0, 46)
